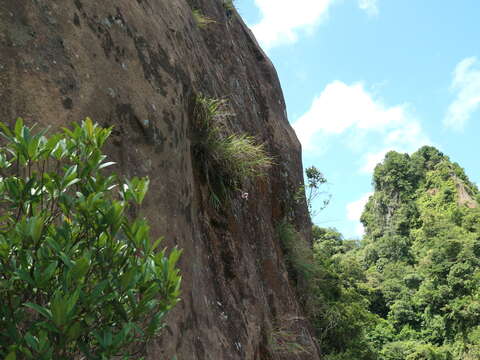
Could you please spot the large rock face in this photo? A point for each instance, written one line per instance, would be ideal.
(137, 65)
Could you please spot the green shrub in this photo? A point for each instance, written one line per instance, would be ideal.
(78, 279)
(225, 160)
(228, 5)
(311, 191)
(201, 20)
(299, 254)
(412, 350)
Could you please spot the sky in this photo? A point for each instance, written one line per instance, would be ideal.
(362, 77)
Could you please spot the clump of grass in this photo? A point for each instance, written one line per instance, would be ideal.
(226, 160)
(201, 20)
(285, 338)
(299, 254)
(228, 5)
(242, 157)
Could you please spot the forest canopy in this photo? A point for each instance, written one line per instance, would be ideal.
(410, 289)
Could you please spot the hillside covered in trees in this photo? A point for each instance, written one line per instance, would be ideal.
(410, 289)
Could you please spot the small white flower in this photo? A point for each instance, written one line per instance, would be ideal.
(244, 195)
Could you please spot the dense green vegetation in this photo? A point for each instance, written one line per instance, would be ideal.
(410, 289)
(327, 289)
(78, 277)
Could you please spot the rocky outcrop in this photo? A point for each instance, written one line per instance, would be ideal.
(137, 65)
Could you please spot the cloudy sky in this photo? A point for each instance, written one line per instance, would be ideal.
(362, 77)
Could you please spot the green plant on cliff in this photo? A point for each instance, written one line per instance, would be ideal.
(312, 191)
(298, 254)
(78, 278)
(287, 339)
(201, 20)
(228, 5)
(225, 160)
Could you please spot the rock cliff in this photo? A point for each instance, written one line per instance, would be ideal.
(138, 65)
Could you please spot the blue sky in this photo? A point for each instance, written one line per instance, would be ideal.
(361, 77)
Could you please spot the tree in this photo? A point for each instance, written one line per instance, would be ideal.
(311, 191)
(77, 276)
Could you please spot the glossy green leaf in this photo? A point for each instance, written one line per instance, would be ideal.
(12, 355)
(58, 308)
(19, 128)
(40, 309)
(80, 269)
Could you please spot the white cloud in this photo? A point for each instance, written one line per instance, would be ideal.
(364, 121)
(406, 138)
(283, 20)
(370, 6)
(466, 86)
(355, 208)
(371, 160)
(354, 211)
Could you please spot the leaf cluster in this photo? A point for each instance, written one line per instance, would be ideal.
(77, 276)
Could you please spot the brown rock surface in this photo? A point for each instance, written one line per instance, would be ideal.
(137, 65)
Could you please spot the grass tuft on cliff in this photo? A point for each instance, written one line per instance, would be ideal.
(201, 20)
(226, 160)
(229, 5)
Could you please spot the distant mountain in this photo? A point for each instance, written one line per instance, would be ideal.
(410, 290)
(421, 252)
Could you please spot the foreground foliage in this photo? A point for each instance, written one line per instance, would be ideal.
(77, 277)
